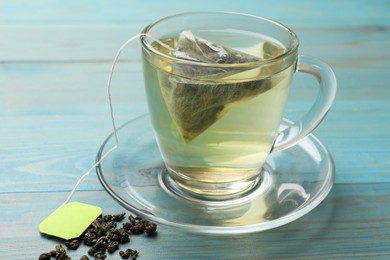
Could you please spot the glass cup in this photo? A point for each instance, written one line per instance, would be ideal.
(217, 85)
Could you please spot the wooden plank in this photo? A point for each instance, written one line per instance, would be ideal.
(340, 46)
(352, 223)
(45, 87)
(66, 43)
(351, 12)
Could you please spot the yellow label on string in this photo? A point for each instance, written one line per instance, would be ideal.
(69, 220)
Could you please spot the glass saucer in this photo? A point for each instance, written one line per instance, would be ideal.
(294, 182)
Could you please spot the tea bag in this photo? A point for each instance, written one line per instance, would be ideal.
(193, 48)
(195, 104)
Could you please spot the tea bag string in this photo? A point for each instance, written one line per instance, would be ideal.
(111, 107)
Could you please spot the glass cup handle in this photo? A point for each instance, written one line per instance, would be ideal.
(327, 92)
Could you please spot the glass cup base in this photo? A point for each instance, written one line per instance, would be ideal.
(205, 193)
(293, 182)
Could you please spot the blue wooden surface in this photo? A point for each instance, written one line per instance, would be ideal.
(54, 62)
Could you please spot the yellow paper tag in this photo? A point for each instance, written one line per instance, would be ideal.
(69, 220)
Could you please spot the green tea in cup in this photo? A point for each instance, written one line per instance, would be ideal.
(217, 85)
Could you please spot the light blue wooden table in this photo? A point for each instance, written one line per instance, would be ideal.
(54, 62)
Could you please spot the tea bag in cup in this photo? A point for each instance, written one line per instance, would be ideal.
(197, 96)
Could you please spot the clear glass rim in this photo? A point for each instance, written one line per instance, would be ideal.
(291, 50)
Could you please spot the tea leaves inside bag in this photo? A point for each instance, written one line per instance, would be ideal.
(197, 96)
